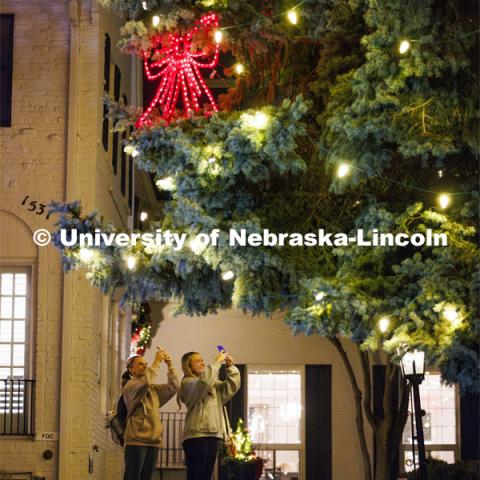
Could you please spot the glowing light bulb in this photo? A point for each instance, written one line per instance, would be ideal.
(212, 160)
(384, 324)
(343, 170)
(259, 120)
(228, 275)
(85, 254)
(143, 216)
(156, 21)
(239, 68)
(450, 313)
(404, 47)
(144, 5)
(444, 200)
(292, 17)
(166, 183)
(440, 173)
(196, 246)
(218, 36)
(319, 296)
(131, 262)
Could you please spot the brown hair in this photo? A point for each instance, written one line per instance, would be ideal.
(126, 375)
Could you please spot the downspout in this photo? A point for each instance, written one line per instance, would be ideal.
(69, 195)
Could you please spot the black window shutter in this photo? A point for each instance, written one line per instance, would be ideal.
(106, 86)
(470, 426)
(318, 422)
(130, 182)
(117, 77)
(6, 69)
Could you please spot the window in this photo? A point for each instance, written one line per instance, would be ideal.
(275, 420)
(14, 324)
(106, 86)
(123, 158)
(439, 422)
(6, 69)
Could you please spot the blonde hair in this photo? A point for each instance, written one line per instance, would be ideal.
(186, 364)
(126, 376)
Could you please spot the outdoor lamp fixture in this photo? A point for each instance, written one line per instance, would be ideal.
(413, 369)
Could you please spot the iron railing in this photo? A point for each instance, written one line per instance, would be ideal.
(171, 454)
(17, 403)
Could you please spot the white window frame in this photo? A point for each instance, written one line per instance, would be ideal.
(300, 447)
(29, 270)
(433, 447)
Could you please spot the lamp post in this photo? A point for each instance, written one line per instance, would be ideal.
(413, 369)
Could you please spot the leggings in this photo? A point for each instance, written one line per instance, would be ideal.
(200, 456)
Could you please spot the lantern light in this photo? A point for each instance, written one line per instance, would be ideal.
(413, 364)
(143, 216)
(144, 5)
(156, 21)
(259, 120)
(218, 35)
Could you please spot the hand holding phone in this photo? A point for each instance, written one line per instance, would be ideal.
(221, 348)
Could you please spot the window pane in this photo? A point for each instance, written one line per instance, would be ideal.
(18, 372)
(280, 464)
(5, 330)
(274, 407)
(5, 355)
(7, 283)
(20, 284)
(20, 308)
(446, 456)
(5, 307)
(19, 355)
(4, 373)
(19, 331)
(439, 422)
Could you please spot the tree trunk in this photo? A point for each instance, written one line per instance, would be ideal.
(357, 393)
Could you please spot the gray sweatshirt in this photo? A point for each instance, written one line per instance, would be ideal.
(205, 397)
(143, 399)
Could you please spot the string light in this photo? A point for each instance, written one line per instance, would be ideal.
(404, 47)
(450, 313)
(167, 183)
(156, 21)
(85, 254)
(131, 262)
(239, 68)
(444, 200)
(131, 150)
(143, 216)
(440, 173)
(343, 170)
(218, 36)
(320, 296)
(212, 160)
(258, 121)
(196, 246)
(229, 275)
(384, 324)
(178, 69)
(292, 17)
(144, 5)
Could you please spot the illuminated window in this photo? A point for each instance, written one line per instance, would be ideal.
(275, 420)
(439, 422)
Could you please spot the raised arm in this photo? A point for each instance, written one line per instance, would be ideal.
(229, 387)
(194, 389)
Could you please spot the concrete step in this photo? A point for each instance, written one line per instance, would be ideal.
(170, 474)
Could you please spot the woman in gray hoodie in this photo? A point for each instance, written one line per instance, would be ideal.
(205, 395)
(143, 399)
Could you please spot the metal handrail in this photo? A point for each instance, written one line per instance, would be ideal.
(17, 405)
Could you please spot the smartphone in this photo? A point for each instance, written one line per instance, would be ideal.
(220, 348)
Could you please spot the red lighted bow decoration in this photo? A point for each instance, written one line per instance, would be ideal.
(179, 71)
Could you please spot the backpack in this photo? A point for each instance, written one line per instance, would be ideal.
(116, 422)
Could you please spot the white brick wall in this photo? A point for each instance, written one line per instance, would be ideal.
(33, 162)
